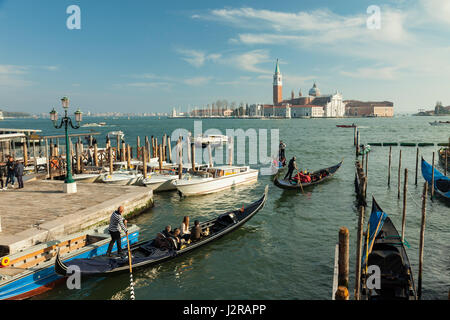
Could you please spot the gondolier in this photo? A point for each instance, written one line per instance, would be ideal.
(291, 166)
(115, 221)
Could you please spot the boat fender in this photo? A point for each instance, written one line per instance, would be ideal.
(5, 262)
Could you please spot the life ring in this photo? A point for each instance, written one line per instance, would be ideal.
(54, 163)
(5, 262)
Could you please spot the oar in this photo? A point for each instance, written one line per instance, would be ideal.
(298, 181)
(131, 270)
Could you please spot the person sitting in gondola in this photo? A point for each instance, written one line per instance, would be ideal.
(167, 232)
(196, 232)
(178, 240)
(185, 232)
(162, 242)
(291, 166)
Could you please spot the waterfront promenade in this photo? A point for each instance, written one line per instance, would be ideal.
(42, 212)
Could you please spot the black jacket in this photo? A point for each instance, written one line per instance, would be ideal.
(292, 164)
(18, 170)
(10, 166)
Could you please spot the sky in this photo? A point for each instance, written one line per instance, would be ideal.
(152, 56)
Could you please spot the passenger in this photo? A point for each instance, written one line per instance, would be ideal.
(185, 232)
(2, 175)
(177, 238)
(161, 241)
(197, 231)
(167, 232)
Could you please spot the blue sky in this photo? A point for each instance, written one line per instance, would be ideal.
(151, 56)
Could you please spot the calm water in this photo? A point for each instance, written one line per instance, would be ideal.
(287, 250)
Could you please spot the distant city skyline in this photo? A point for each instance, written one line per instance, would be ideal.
(151, 57)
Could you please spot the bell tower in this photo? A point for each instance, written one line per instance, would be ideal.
(277, 86)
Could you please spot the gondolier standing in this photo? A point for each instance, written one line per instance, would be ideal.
(115, 221)
(291, 166)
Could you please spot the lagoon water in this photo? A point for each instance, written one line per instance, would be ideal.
(287, 250)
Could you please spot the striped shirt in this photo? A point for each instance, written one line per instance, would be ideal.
(115, 221)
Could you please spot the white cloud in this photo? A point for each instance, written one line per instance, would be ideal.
(11, 69)
(382, 73)
(197, 58)
(438, 9)
(250, 61)
(197, 81)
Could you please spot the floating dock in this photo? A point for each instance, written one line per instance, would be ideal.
(42, 212)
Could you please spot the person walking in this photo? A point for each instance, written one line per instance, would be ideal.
(18, 172)
(10, 172)
(115, 221)
(291, 166)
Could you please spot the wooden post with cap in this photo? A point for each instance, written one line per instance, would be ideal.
(421, 243)
(405, 190)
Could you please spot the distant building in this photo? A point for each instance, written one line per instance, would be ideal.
(256, 110)
(1, 115)
(313, 105)
(354, 108)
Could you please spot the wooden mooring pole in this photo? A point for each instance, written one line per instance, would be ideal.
(405, 190)
(432, 178)
(399, 173)
(170, 149)
(180, 158)
(110, 151)
(144, 164)
(343, 265)
(389, 166)
(417, 166)
(359, 242)
(421, 243)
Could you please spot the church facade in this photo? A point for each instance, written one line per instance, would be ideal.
(314, 105)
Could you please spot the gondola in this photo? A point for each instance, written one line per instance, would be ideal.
(441, 182)
(383, 248)
(345, 126)
(148, 253)
(326, 173)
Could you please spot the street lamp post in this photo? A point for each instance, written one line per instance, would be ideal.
(70, 185)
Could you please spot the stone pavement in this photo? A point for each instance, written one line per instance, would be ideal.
(42, 212)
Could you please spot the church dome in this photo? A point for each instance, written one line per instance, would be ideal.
(314, 91)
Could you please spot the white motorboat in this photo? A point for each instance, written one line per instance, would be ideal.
(113, 134)
(220, 178)
(122, 178)
(94, 124)
(214, 140)
(160, 182)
